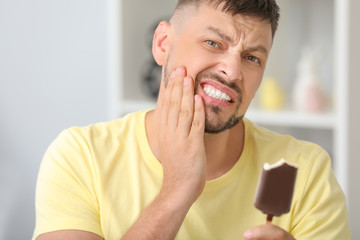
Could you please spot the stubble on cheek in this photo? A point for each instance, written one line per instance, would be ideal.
(216, 109)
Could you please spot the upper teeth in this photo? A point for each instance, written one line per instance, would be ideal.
(215, 93)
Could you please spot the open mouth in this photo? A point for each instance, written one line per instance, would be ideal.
(216, 93)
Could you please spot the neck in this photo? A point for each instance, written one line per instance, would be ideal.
(222, 150)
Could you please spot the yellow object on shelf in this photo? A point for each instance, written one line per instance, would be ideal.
(271, 96)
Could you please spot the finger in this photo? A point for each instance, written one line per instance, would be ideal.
(175, 98)
(267, 231)
(165, 101)
(198, 122)
(187, 107)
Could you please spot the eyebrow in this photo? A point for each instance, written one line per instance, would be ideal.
(223, 36)
(258, 48)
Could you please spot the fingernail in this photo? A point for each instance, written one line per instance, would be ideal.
(187, 81)
(197, 98)
(247, 234)
(179, 71)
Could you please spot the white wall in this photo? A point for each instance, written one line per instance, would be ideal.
(53, 74)
(354, 119)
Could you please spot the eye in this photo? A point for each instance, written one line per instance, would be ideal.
(212, 43)
(253, 59)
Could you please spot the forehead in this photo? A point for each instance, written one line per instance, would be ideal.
(198, 19)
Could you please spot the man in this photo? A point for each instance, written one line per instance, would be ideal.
(189, 168)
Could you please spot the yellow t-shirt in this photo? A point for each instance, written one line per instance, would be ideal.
(101, 177)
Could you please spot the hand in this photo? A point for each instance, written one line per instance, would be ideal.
(268, 231)
(182, 150)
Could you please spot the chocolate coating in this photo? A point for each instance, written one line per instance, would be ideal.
(275, 190)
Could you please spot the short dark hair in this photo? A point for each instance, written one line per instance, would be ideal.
(263, 9)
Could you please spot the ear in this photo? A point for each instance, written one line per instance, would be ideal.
(161, 42)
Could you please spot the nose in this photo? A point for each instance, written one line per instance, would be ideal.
(230, 67)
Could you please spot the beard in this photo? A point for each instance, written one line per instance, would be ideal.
(217, 126)
(214, 124)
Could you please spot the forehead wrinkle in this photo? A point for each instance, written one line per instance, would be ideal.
(258, 48)
(218, 32)
(223, 36)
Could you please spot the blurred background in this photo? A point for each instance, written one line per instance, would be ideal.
(66, 63)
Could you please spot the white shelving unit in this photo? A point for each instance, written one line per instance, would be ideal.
(321, 24)
(326, 121)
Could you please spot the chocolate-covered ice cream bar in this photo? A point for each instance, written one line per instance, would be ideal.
(275, 188)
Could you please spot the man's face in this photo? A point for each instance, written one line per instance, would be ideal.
(226, 55)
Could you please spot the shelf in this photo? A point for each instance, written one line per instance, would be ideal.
(292, 119)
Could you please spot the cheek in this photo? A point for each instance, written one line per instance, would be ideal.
(254, 86)
(250, 86)
(192, 57)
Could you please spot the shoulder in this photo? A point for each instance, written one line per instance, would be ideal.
(283, 146)
(268, 146)
(104, 130)
(84, 144)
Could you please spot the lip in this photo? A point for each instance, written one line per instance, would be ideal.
(233, 95)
